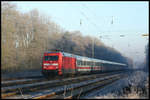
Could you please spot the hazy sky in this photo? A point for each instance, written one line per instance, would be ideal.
(106, 19)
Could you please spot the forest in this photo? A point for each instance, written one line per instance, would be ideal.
(26, 36)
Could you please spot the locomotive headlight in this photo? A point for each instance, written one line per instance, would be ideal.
(55, 64)
(44, 67)
(47, 64)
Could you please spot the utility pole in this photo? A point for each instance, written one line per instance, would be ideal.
(145, 34)
(93, 48)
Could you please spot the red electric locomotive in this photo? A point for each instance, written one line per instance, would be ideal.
(61, 63)
(55, 63)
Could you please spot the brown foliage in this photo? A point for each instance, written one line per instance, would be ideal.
(26, 36)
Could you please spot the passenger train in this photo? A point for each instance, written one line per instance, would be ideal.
(62, 63)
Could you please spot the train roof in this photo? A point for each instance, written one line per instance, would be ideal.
(52, 52)
(90, 59)
(85, 58)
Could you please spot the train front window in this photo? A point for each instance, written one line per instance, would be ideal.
(51, 58)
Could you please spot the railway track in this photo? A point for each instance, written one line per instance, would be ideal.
(58, 88)
(75, 91)
(19, 78)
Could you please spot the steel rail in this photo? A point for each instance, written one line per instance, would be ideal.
(61, 89)
(14, 90)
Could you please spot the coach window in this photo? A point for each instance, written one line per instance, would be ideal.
(79, 62)
(88, 63)
(108, 65)
(97, 64)
(102, 64)
(93, 63)
(84, 63)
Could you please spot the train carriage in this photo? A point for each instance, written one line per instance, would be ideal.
(62, 63)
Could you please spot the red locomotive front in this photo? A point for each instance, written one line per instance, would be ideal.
(51, 64)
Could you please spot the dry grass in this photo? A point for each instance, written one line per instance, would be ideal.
(132, 95)
(138, 89)
(26, 73)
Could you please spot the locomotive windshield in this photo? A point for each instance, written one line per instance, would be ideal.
(51, 58)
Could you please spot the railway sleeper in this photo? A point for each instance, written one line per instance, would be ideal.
(76, 93)
(31, 89)
(28, 86)
(61, 89)
(25, 90)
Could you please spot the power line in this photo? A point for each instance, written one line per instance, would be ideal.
(121, 33)
(89, 20)
(95, 15)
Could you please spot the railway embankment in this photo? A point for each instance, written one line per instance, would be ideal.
(21, 74)
(56, 88)
(135, 86)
